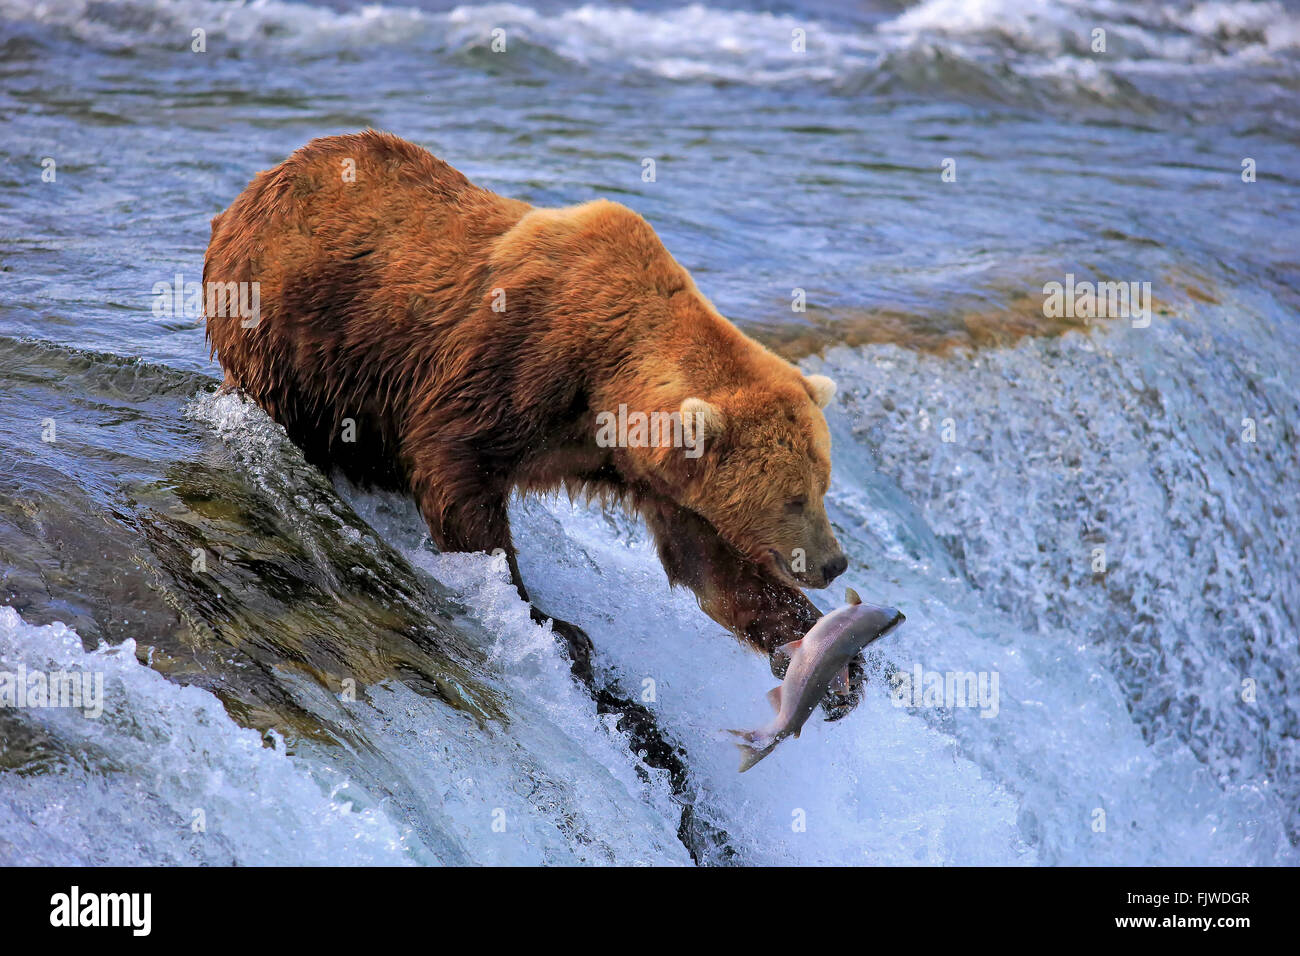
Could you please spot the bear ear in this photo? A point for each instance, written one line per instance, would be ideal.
(822, 389)
(702, 419)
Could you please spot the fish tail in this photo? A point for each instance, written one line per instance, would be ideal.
(756, 745)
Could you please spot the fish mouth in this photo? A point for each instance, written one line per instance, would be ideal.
(899, 618)
(880, 620)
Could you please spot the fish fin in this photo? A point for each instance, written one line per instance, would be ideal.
(756, 746)
(851, 596)
(774, 698)
(840, 682)
(787, 650)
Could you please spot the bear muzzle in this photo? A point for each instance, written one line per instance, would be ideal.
(806, 573)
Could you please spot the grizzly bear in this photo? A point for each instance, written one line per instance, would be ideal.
(418, 332)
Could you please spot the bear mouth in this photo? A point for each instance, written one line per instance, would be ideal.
(777, 567)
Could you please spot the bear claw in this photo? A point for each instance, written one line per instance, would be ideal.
(576, 641)
(837, 706)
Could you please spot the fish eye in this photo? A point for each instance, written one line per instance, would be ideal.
(795, 506)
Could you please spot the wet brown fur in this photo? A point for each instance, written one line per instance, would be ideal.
(376, 306)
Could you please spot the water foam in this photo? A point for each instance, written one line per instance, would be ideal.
(130, 787)
(695, 42)
(888, 784)
(900, 785)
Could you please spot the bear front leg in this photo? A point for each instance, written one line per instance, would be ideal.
(579, 644)
(734, 592)
(466, 513)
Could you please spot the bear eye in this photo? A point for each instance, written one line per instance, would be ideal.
(795, 506)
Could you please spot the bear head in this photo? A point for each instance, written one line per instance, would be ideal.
(760, 468)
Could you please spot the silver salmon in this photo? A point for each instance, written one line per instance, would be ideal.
(818, 660)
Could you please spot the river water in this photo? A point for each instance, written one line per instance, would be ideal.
(1101, 512)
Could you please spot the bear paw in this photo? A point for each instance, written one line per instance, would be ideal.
(837, 706)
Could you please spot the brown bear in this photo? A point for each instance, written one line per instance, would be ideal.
(421, 333)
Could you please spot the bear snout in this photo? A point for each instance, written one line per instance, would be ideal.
(833, 568)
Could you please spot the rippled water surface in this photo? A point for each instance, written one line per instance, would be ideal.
(460, 737)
